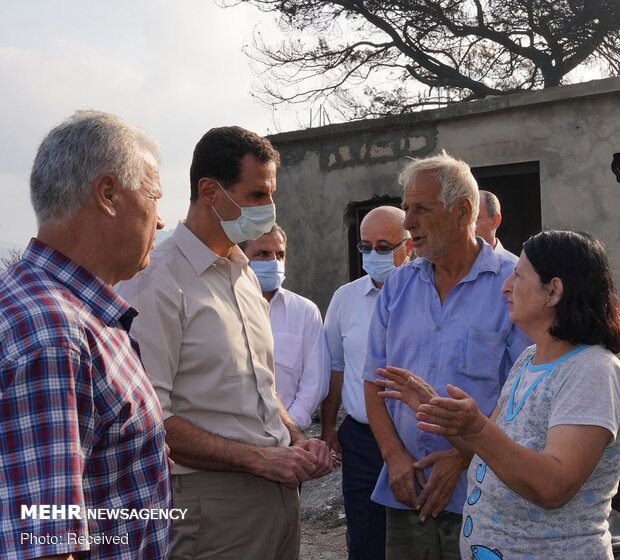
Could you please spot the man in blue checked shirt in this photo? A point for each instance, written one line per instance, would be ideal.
(83, 467)
(444, 317)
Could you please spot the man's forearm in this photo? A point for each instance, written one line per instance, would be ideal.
(296, 434)
(198, 448)
(331, 404)
(381, 424)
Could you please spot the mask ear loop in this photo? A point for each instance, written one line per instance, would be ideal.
(224, 191)
(215, 212)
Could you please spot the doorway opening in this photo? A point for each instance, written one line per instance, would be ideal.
(517, 185)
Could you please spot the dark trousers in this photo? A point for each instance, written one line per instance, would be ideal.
(361, 465)
(435, 539)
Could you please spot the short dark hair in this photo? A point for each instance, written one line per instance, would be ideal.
(275, 230)
(219, 152)
(588, 312)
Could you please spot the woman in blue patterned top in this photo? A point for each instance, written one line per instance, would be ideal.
(546, 463)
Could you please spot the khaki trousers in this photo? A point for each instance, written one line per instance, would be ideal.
(234, 516)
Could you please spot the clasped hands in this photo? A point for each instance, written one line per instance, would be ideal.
(446, 468)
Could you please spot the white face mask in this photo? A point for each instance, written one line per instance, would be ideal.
(253, 222)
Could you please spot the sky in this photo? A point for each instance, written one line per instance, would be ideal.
(174, 68)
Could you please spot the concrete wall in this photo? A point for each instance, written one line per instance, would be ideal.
(572, 131)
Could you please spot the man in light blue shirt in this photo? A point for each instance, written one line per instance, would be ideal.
(443, 317)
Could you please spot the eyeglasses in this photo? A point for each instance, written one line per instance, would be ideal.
(381, 249)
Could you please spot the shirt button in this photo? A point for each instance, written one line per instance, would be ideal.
(437, 327)
(432, 365)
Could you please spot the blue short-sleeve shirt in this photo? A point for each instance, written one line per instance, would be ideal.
(468, 341)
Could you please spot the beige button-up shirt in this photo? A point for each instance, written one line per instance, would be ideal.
(206, 341)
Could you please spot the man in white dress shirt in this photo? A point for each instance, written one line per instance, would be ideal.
(489, 219)
(300, 349)
(384, 245)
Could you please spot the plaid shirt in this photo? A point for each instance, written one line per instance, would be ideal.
(79, 421)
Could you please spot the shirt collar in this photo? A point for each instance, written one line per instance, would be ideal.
(369, 286)
(198, 254)
(486, 261)
(93, 292)
(278, 295)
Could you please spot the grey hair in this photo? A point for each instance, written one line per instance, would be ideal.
(454, 176)
(492, 202)
(76, 152)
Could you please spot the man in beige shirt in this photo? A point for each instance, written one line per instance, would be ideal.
(206, 343)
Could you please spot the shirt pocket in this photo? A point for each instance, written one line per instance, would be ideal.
(482, 353)
(287, 352)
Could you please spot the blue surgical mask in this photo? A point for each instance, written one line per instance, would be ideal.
(378, 266)
(270, 274)
(253, 222)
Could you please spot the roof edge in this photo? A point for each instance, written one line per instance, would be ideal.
(459, 110)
